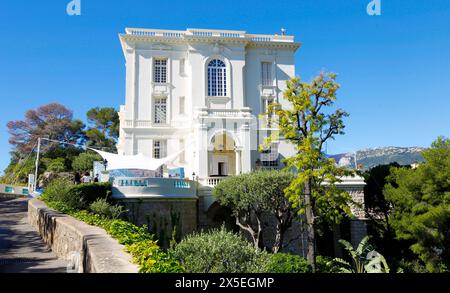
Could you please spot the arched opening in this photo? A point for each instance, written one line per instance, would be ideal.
(217, 78)
(222, 157)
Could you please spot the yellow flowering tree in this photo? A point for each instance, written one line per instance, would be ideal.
(308, 123)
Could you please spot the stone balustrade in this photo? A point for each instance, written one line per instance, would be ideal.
(229, 34)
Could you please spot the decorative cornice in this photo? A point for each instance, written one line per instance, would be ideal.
(191, 36)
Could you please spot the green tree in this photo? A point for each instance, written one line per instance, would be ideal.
(378, 209)
(56, 165)
(252, 195)
(421, 206)
(308, 125)
(85, 161)
(104, 128)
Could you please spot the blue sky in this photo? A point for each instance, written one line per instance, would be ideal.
(394, 69)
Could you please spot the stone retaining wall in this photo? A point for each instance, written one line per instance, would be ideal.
(72, 239)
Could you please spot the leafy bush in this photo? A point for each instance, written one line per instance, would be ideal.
(72, 199)
(116, 211)
(93, 219)
(85, 161)
(92, 191)
(128, 233)
(57, 165)
(326, 265)
(102, 207)
(218, 251)
(286, 263)
(152, 260)
(60, 191)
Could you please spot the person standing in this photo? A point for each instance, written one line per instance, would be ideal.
(77, 179)
(86, 178)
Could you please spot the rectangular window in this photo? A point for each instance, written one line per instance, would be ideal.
(159, 149)
(160, 71)
(182, 105)
(266, 105)
(160, 110)
(266, 74)
(269, 156)
(182, 64)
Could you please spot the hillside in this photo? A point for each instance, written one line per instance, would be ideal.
(369, 158)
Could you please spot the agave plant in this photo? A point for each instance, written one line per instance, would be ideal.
(365, 259)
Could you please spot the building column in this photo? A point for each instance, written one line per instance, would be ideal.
(201, 160)
(238, 161)
(355, 187)
(246, 149)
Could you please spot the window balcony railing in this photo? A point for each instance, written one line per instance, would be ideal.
(268, 90)
(233, 113)
(138, 123)
(161, 89)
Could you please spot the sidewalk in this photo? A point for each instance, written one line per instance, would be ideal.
(21, 248)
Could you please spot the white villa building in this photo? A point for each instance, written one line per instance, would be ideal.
(201, 93)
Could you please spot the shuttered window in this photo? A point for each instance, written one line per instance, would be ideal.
(266, 74)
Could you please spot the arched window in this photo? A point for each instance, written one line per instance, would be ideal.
(217, 78)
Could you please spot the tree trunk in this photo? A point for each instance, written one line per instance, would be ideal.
(278, 244)
(311, 238)
(256, 234)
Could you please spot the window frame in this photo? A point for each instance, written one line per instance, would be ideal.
(160, 146)
(157, 101)
(217, 78)
(160, 72)
(267, 74)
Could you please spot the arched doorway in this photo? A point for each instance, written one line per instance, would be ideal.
(222, 158)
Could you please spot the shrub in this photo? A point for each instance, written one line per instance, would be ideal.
(128, 233)
(327, 265)
(93, 191)
(76, 197)
(93, 219)
(152, 260)
(116, 211)
(286, 263)
(102, 207)
(85, 161)
(145, 251)
(57, 165)
(218, 251)
(60, 191)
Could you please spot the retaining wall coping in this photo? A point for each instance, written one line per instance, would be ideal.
(104, 254)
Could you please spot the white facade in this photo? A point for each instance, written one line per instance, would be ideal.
(203, 91)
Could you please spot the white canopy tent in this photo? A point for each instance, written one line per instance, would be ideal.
(140, 161)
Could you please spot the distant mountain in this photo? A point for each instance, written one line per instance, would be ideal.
(369, 158)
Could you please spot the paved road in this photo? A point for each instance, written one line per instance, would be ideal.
(21, 248)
